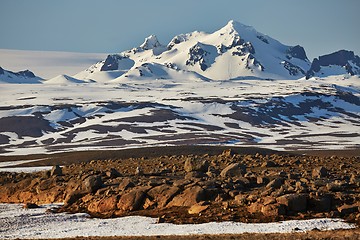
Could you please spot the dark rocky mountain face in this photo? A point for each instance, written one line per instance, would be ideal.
(297, 52)
(26, 73)
(340, 58)
(343, 58)
(111, 63)
(197, 54)
(22, 74)
(293, 69)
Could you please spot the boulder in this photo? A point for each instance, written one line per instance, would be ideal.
(255, 207)
(139, 171)
(28, 183)
(189, 197)
(268, 200)
(25, 196)
(262, 180)
(103, 206)
(273, 210)
(113, 173)
(72, 197)
(56, 171)
(228, 153)
(45, 185)
(198, 208)
(240, 199)
(294, 202)
(233, 170)
(92, 183)
(195, 165)
(319, 172)
(335, 186)
(133, 200)
(355, 179)
(348, 209)
(275, 183)
(163, 194)
(320, 204)
(126, 183)
(269, 164)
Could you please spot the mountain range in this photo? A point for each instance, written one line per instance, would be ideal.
(235, 51)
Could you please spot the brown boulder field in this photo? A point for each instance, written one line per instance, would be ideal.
(198, 187)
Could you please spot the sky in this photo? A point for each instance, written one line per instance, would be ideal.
(112, 26)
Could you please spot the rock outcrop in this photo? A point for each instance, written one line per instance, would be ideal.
(345, 61)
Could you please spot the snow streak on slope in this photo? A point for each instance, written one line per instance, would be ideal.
(302, 114)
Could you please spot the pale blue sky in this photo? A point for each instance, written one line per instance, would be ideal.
(110, 26)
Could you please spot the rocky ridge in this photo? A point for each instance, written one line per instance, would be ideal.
(25, 76)
(197, 188)
(342, 62)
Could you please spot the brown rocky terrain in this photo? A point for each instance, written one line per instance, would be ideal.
(198, 188)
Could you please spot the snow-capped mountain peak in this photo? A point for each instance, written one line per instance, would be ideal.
(150, 42)
(236, 27)
(235, 51)
(238, 30)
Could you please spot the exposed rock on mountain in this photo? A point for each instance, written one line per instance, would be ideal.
(235, 51)
(340, 62)
(18, 77)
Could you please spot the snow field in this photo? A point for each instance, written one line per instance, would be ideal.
(16, 222)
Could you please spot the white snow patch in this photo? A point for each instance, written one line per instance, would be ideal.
(25, 169)
(16, 222)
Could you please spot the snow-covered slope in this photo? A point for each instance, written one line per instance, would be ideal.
(63, 79)
(319, 113)
(18, 77)
(235, 51)
(337, 63)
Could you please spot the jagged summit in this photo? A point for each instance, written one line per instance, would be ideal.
(235, 51)
(150, 42)
(340, 62)
(234, 26)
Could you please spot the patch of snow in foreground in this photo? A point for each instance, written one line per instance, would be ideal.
(16, 222)
(25, 169)
(12, 166)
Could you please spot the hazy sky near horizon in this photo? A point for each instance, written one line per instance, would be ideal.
(111, 26)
